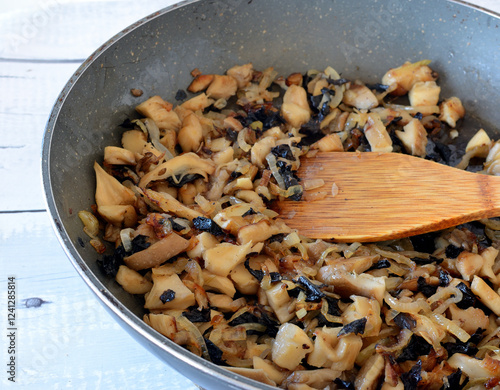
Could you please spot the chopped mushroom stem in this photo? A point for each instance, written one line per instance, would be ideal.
(186, 201)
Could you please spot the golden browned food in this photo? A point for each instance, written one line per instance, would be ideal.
(186, 202)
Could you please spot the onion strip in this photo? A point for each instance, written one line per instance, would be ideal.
(126, 238)
(187, 325)
(271, 160)
(406, 307)
(329, 317)
(154, 134)
(450, 326)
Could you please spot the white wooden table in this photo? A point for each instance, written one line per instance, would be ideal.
(63, 339)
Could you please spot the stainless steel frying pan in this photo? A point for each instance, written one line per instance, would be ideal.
(361, 39)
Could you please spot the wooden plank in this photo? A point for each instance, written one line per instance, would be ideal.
(66, 30)
(70, 340)
(29, 90)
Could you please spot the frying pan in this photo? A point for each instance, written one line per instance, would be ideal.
(360, 39)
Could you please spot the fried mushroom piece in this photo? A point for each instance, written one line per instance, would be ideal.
(178, 167)
(360, 96)
(158, 253)
(109, 191)
(132, 281)
(190, 135)
(160, 112)
(222, 87)
(242, 74)
(376, 134)
(290, 346)
(451, 111)
(414, 138)
(179, 296)
(401, 80)
(295, 108)
(200, 83)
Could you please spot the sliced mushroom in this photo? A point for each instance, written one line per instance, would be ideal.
(134, 140)
(489, 256)
(217, 184)
(180, 296)
(469, 319)
(329, 143)
(114, 155)
(424, 93)
(132, 281)
(243, 280)
(469, 264)
(290, 346)
(110, 191)
(315, 379)
(162, 323)
(118, 215)
(200, 83)
(221, 259)
(253, 373)
(480, 142)
(295, 108)
(191, 134)
(350, 283)
(261, 149)
(451, 111)
(242, 74)
(224, 303)
(169, 204)
(324, 342)
(486, 294)
(185, 164)
(251, 197)
(169, 140)
(272, 371)
(158, 253)
(414, 138)
(377, 135)
(231, 218)
(199, 102)
(261, 231)
(212, 282)
(204, 241)
(360, 96)
(369, 375)
(280, 302)
(222, 87)
(402, 79)
(223, 157)
(331, 351)
(387, 115)
(363, 307)
(160, 112)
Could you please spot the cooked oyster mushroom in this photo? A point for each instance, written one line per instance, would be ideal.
(161, 112)
(178, 167)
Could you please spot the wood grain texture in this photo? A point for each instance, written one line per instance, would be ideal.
(66, 30)
(383, 196)
(32, 90)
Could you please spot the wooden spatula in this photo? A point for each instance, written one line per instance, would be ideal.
(382, 196)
